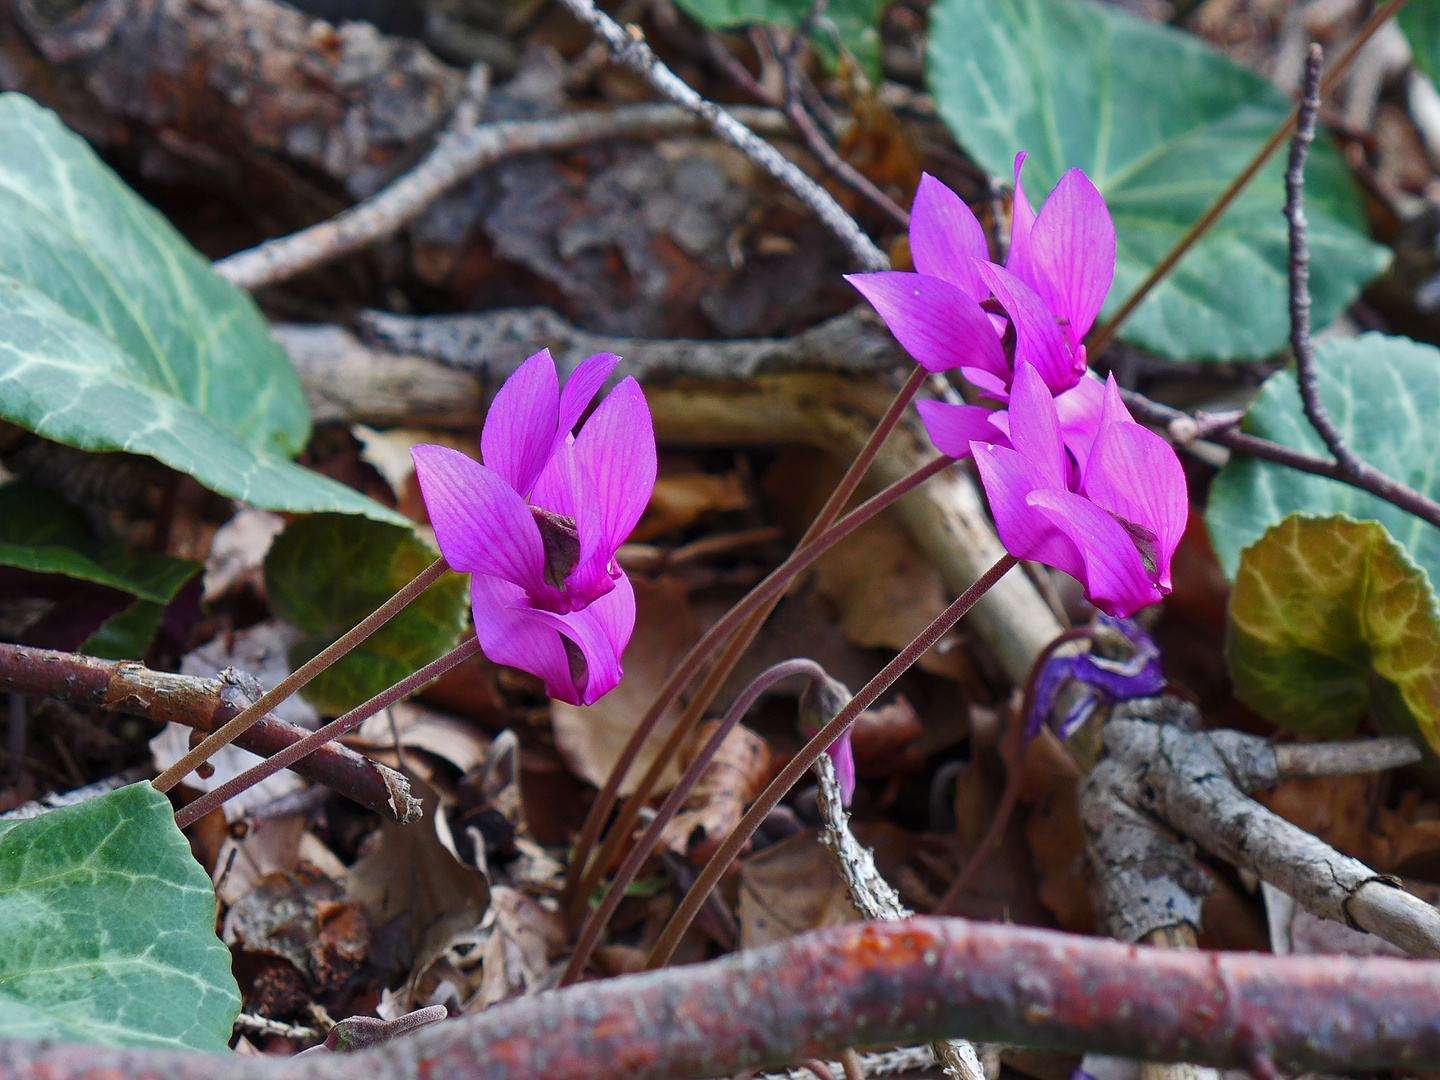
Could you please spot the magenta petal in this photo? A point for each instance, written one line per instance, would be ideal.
(843, 757)
(510, 633)
(1025, 532)
(1035, 428)
(1080, 411)
(1038, 340)
(1072, 253)
(1113, 410)
(582, 385)
(520, 425)
(601, 632)
(616, 450)
(935, 321)
(565, 488)
(481, 524)
(1114, 575)
(1022, 218)
(945, 236)
(1135, 474)
(953, 428)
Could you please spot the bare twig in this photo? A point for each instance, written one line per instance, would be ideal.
(456, 155)
(204, 704)
(1159, 773)
(630, 49)
(254, 1024)
(1103, 335)
(878, 984)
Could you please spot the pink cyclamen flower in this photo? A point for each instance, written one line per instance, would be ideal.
(1112, 525)
(537, 525)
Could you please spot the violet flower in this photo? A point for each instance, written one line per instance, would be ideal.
(538, 524)
(1104, 681)
(1112, 524)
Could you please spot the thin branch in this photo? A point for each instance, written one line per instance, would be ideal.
(630, 49)
(1105, 334)
(204, 704)
(457, 155)
(880, 984)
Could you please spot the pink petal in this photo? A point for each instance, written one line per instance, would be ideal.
(1114, 576)
(510, 634)
(843, 757)
(582, 385)
(1038, 340)
(945, 236)
(564, 487)
(1025, 532)
(519, 429)
(1035, 428)
(481, 524)
(616, 449)
(1022, 218)
(1135, 474)
(601, 632)
(1080, 411)
(953, 428)
(935, 321)
(1072, 253)
(989, 384)
(1113, 410)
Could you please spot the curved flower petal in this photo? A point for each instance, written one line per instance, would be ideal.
(1025, 532)
(481, 524)
(1035, 428)
(1080, 410)
(945, 236)
(510, 634)
(1022, 218)
(519, 429)
(1071, 260)
(953, 428)
(1038, 339)
(1134, 474)
(843, 757)
(936, 322)
(601, 632)
(1115, 578)
(616, 450)
(565, 488)
(582, 386)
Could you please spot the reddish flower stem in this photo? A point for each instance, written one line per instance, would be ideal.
(640, 851)
(798, 765)
(877, 984)
(583, 875)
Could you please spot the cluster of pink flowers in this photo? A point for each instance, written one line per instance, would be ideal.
(1073, 481)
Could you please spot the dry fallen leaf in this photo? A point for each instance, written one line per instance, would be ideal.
(735, 775)
(422, 728)
(682, 498)
(238, 549)
(591, 739)
(788, 889)
(524, 938)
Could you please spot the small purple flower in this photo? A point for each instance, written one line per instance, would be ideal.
(1113, 524)
(538, 524)
(1104, 681)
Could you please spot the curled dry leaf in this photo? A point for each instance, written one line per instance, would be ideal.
(789, 888)
(304, 922)
(590, 739)
(679, 500)
(735, 775)
(421, 728)
(524, 939)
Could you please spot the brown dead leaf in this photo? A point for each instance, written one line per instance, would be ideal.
(238, 549)
(303, 922)
(421, 728)
(683, 498)
(881, 739)
(590, 739)
(524, 938)
(735, 775)
(269, 847)
(1054, 834)
(788, 889)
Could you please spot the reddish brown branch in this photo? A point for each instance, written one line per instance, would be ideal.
(203, 704)
(876, 984)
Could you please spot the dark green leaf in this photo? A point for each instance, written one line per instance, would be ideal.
(1161, 123)
(1331, 619)
(127, 634)
(108, 929)
(327, 572)
(1420, 19)
(1384, 395)
(855, 20)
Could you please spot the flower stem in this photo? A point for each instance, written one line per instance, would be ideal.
(720, 862)
(581, 882)
(590, 932)
(193, 812)
(300, 676)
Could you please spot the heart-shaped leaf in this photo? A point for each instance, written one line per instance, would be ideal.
(325, 573)
(107, 929)
(1384, 395)
(116, 335)
(1331, 619)
(1161, 122)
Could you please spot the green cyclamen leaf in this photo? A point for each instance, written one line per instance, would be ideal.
(1384, 395)
(1420, 19)
(1331, 619)
(856, 21)
(116, 335)
(107, 929)
(327, 572)
(1161, 122)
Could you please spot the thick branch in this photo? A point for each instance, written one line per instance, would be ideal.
(203, 704)
(881, 984)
